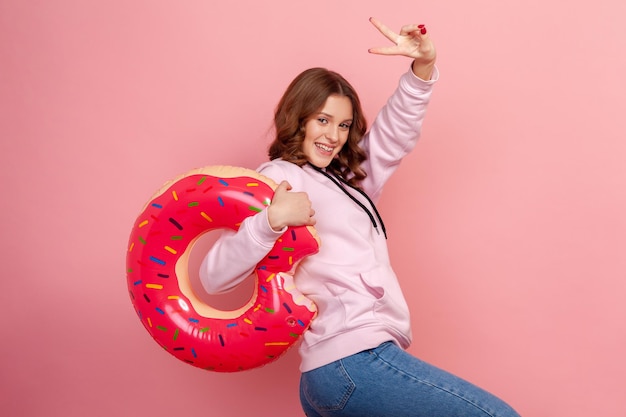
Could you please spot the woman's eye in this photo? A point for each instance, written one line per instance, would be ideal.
(344, 126)
(322, 120)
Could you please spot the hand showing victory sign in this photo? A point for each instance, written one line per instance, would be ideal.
(413, 42)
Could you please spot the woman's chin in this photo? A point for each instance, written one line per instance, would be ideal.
(320, 163)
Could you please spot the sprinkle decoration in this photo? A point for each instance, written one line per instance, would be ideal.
(196, 333)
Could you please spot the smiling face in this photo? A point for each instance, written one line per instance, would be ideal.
(327, 131)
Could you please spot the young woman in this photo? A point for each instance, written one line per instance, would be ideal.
(331, 171)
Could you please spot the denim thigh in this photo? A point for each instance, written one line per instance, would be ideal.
(325, 389)
(387, 381)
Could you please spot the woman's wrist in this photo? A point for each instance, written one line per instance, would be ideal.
(423, 70)
(273, 222)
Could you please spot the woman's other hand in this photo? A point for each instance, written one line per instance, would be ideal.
(290, 208)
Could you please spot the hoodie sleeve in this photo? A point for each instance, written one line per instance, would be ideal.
(234, 255)
(395, 130)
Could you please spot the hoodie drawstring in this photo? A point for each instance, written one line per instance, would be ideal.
(338, 181)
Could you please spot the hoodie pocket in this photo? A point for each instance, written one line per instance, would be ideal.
(389, 306)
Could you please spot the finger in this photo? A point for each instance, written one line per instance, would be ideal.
(283, 186)
(388, 33)
(408, 29)
(385, 50)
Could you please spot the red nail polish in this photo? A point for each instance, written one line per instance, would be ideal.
(423, 31)
(420, 26)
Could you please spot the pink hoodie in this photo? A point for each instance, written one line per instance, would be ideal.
(360, 303)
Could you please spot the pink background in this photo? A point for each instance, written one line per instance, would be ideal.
(506, 225)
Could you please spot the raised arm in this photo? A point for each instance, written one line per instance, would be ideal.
(397, 127)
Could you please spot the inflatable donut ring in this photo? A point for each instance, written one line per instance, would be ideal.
(160, 243)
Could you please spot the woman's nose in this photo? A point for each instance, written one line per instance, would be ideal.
(332, 133)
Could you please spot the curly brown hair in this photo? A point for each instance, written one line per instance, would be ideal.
(304, 98)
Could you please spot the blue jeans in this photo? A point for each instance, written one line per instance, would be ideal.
(387, 381)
